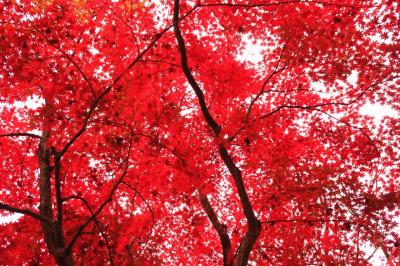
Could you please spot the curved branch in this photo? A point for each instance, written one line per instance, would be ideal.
(274, 221)
(85, 77)
(254, 226)
(262, 90)
(186, 70)
(143, 199)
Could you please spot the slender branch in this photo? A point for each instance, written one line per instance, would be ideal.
(159, 61)
(31, 135)
(350, 126)
(273, 221)
(262, 90)
(278, 4)
(143, 199)
(30, 213)
(314, 106)
(127, 25)
(150, 209)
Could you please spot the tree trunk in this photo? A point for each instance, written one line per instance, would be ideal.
(51, 229)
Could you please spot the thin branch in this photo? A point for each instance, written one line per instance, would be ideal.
(273, 221)
(278, 4)
(350, 126)
(148, 206)
(314, 106)
(143, 199)
(31, 135)
(127, 25)
(156, 61)
(262, 90)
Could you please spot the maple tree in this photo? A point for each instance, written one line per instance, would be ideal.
(134, 132)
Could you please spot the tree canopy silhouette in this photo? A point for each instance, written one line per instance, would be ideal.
(145, 132)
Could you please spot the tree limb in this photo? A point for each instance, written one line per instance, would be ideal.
(23, 134)
(28, 212)
(254, 226)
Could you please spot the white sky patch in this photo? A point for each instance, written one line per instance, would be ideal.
(252, 50)
(162, 14)
(186, 112)
(12, 218)
(320, 88)
(32, 102)
(190, 96)
(378, 111)
(93, 50)
(378, 257)
(353, 78)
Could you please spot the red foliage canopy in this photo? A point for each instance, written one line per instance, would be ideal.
(145, 132)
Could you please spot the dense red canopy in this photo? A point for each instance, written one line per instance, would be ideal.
(199, 133)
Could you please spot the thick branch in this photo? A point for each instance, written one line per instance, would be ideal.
(30, 213)
(254, 227)
(186, 70)
(57, 170)
(52, 232)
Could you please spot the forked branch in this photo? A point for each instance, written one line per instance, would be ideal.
(221, 229)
